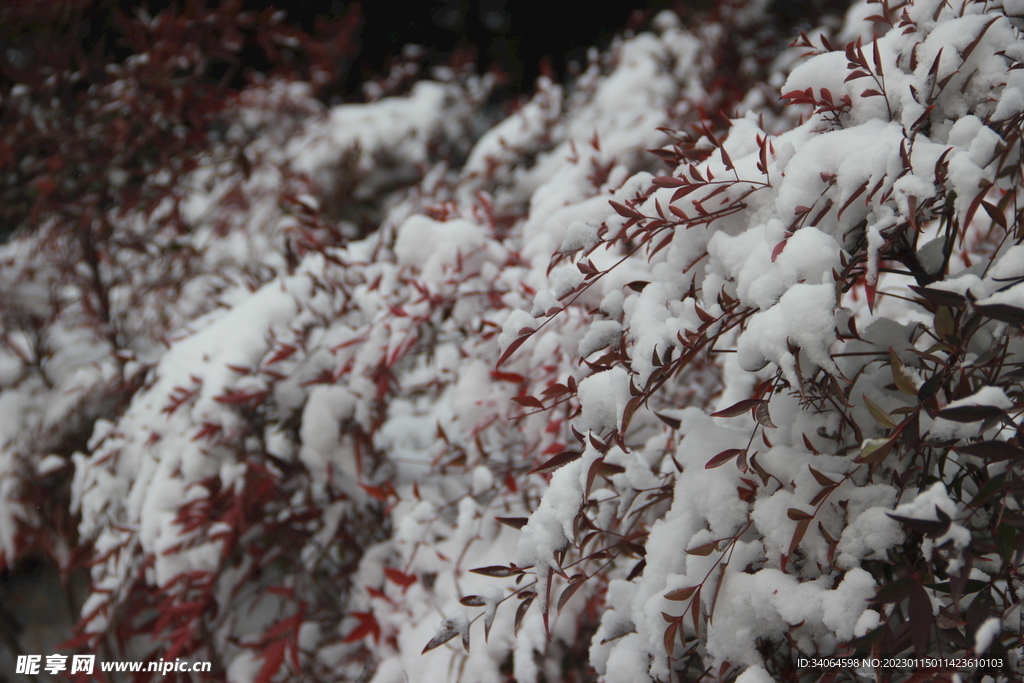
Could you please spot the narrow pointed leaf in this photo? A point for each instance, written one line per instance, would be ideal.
(723, 457)
(563, 458)
(879, 415)
(681, 594)
(447, 631)
(739, 408)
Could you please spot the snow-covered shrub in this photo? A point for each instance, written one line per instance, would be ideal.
(848, 479)
(404, 397)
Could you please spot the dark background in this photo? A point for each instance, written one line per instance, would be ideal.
(517, 39)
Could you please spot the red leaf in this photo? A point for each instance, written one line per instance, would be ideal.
(798, 534)
(739, 408)
(524, 606)
(723, 457)
(528, 402)
(941, 297)
(930, 528)
(995, 214)
(563, 458)
(368, 626)
(778, 250)
(869, 290)
(568, 593)
(821, 478)
(375, 492)
(670, 421)
(512, 348)
(239, 397)
(625, 211)
(513, 377)
(284, 351)
(920, 611)
(401, 578)
(992, 450)
(1002, 312)
(207, 429)
(668, 181)
(683, 191)
(853, 197)
(969, 413)
(681, 594)
(894, 593)
(496, 571)
(273, 658)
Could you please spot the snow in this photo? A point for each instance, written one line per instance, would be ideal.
(601, 334)
(941, 428)
(604, 397)
(804, 316)
(870, 535)
(986, 633)
(754, 674)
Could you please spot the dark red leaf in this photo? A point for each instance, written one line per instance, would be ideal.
(682, 192)
(739, 408)
(703, 550)
(568, 593)
(399, 577)
(930, 528)
(969, 413)
(516, 343)
(521, 611)
(921, 618)
(625, 211)
(762, 415)
(670, 421)
(723, 457)
(497, 571)
(895, 592)
(821, 478)
(563, 458)
(368, 626)
(1002, 312)
(528, 402)
(779, 248)
(513, 377)
(273, 658)
(681, 594)
(940, 297)
(668, 181)
(853, 197)
(443, 635)
(997, 216)
(637, 569)
(239, 397)
(992, 450)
